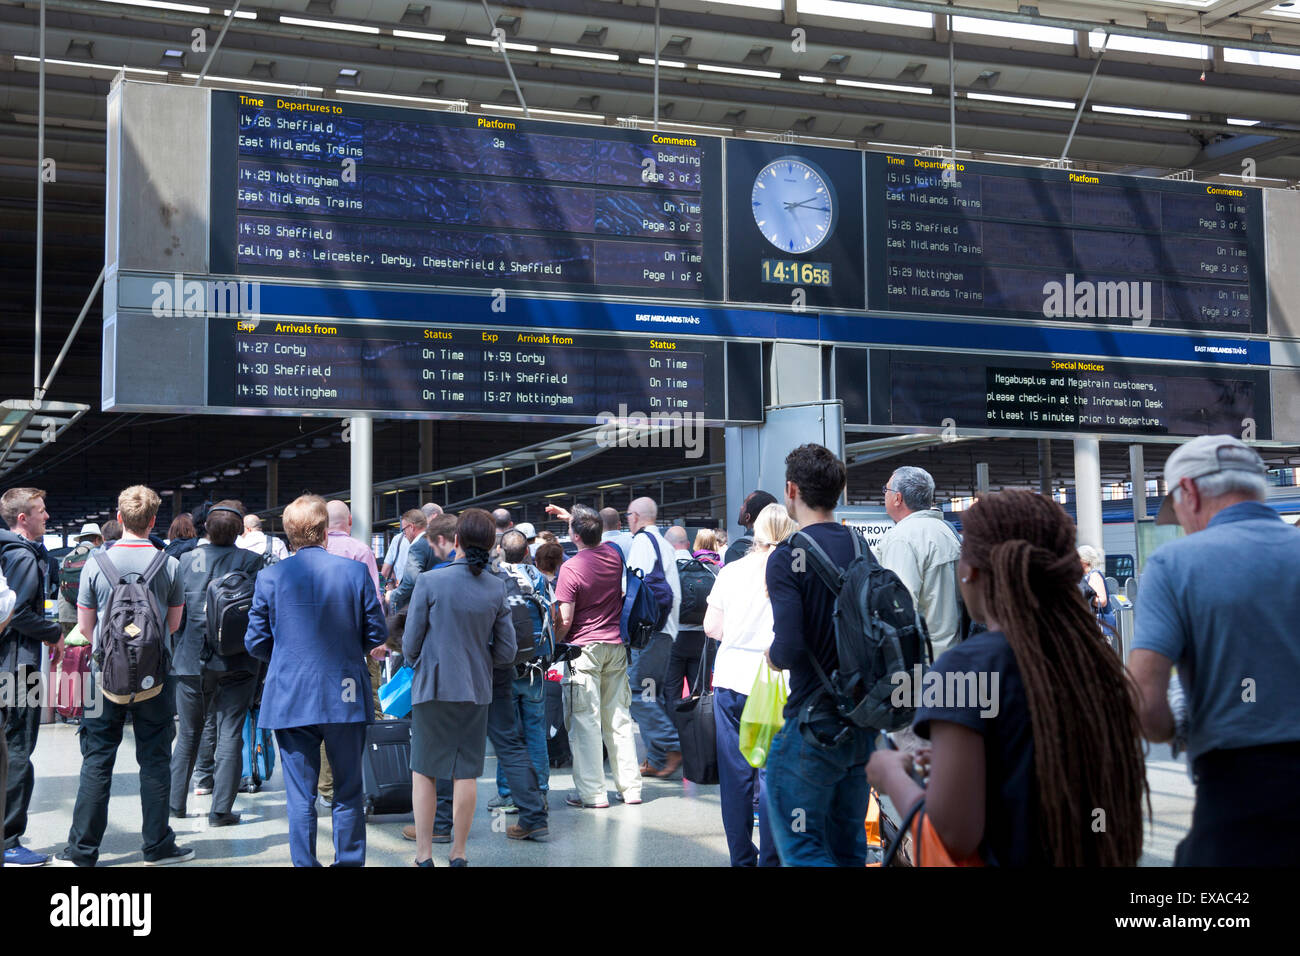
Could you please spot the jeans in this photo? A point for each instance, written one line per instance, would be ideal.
(647, 677)
(22, 724)
(224, 699)
(513, 758)
(153, 723)
(530, 707)
(739, 785)
(300, 756)
(684, 664)
(817, 798)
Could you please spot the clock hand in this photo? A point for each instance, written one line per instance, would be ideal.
(796, 205)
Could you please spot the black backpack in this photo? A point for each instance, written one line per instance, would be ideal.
(268, 555)
(521, 616)
(70, 571)
(229, 599)
(697, 580)
(132, 635)
(877, 634)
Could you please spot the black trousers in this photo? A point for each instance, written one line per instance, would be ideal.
(225, 698)
(22, 724)
(1247, 808)
(684, 663)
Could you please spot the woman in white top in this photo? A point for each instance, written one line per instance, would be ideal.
(739, 616)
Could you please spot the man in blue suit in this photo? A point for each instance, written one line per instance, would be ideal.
(314, 619)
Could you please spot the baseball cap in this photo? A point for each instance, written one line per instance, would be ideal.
(1206, 455)
(90, 530)
(526, 529)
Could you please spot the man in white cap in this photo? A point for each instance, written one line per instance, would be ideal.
(70, 567)
(1223, 604)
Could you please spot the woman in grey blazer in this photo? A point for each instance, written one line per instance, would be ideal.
(458, 628)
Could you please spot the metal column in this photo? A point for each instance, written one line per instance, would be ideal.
(1137, 465)
(363, 448)
(1087, 490)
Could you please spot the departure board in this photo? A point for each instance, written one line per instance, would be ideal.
(1063, 245)
(510, 372)
(360, 192)
(1098, 396)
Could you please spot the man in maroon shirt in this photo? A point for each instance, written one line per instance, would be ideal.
(589, 598)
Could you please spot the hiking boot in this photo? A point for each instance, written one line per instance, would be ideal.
(516, 832)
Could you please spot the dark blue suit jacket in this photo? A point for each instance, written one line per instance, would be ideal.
(315, 615)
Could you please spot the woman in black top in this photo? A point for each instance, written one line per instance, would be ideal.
(1045, 770)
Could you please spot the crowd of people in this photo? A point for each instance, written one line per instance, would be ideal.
(1049, 771)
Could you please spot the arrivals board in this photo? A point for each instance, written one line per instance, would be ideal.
(360, 192)
(502, 371)
(887, 387)
(1063, 245)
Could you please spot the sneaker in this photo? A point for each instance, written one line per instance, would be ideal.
(202, 791)
(325, 802)
(179, 854)
(19, 855)
(64, 858)
(631, 799)
(516, 832)
(504, 804)
(574, 800)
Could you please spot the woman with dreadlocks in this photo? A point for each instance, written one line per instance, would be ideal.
(1045, 770)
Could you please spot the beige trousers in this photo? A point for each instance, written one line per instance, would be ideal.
(600, 710)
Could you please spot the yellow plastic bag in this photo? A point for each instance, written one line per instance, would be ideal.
(762, 716)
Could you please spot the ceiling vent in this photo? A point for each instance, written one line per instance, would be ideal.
(804, 125)
(758, 56)
(321, 8)
(986, 80)
(676, 46)
(81, 49)
(733, 117)
(509, 23)
(172, 59)
(430, 87)
(912, 73)
(593, 36)
(589, 103)
(837, 62)
(416, 16)
(348, 77)
(263, 70)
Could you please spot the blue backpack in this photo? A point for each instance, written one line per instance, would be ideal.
(647, 600)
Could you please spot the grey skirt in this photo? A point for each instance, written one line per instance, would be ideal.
(448, 740)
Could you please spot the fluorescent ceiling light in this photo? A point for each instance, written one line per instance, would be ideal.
(416, 35)
(1127, 44)
(1282, 61)
(244, 81)
(1233, 121)
(754, 4)
(399, 98)
(526, 47)
(894, 87)
(864, 11)
(649, 61)
(328, 25)
(241, 14)
(588, 54)
(77, 64)
(534, 111)
(1032, 159)
(160, 5)
(765, 74)
(812, 79)
(1012, 31)
(1025, 100)
(1129, 111)
(695, 127)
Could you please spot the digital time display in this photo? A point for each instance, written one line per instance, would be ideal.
(791, 272)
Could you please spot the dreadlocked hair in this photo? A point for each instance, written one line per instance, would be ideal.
(1086, 729)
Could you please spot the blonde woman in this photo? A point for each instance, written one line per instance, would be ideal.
(740, 619)
(1093, 585)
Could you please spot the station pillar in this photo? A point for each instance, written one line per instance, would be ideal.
(362, 443)
(1087, 490)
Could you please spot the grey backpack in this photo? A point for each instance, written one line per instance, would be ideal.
(132, 656)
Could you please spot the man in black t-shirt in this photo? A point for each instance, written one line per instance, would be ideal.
(816, 789)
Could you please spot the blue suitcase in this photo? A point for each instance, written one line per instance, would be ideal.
(259, 755)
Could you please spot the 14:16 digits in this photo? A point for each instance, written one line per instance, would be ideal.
(796, 273)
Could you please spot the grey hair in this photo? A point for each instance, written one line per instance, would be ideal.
(1233, 481)
(916, 486)
(1092, 557)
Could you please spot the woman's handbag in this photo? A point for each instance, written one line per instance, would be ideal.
(763, 716)
(927, 848)
(698, 732)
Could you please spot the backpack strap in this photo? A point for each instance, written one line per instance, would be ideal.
(833, 577)
(159, 559)
(108, 569)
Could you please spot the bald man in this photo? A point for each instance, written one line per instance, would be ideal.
(253, 539)
(649, 668)
(676, 536)
(611, 525)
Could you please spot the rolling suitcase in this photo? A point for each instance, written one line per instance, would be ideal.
(386, 767)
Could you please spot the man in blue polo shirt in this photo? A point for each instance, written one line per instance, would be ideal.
(1223, 604)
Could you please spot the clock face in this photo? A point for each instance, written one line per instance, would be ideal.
(793, 205)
